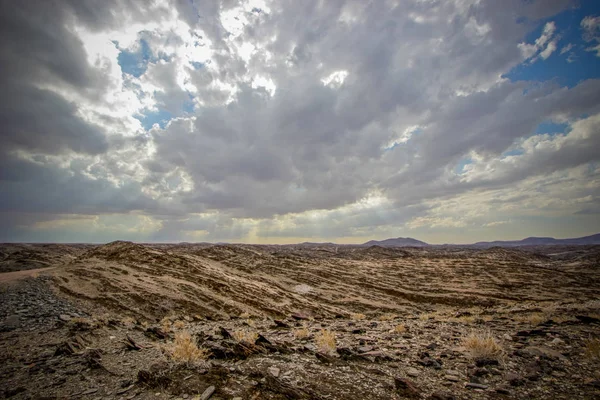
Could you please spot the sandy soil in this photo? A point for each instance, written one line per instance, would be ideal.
(307, 321)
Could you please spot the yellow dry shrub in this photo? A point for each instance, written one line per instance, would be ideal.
(387, 317)
(128, 321)
(592, 348)
(245, 336)
(185, 349)
(358, 316)
(165, 324)
(325, 341)
(302, 333)
(400, 328)
(179, 324)
(482, 344)
(533, 319)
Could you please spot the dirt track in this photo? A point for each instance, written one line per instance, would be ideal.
(16, 275)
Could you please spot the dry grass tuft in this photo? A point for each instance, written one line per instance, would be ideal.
(388, 317)
(185, 349)
(82, 324)
(592, 348)
(245, 336)
(302, 333)
(179, 324)
(165, 325)
(245, 315)
(325, 341)
(465, 319)
(358, 316)
(128, 321)
(483, 345)
(533, 318)
(429, 315)
(400, 328)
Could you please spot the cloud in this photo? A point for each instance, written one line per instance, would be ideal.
(360, 121)
(591, 32)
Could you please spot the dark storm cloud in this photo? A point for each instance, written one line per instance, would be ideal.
(245, 152)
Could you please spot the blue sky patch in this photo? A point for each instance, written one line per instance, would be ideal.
(462, 163)
(573, 65)
(551, 128)
(135, 63)
(160, 117)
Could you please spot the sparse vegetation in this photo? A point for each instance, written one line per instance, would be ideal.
(245, 336)
(592, 348)
(387, 317)
(533, 318)
(482, 344)
(301, 333)
(165, 324)
(400, 328)
(429, 315)
(128, 321)
(325, 341)
(179, 324)
(82, 324)
(185, 349)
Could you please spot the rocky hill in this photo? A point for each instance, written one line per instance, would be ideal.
(319, 321)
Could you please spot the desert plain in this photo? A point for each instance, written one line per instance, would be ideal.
(311, 321)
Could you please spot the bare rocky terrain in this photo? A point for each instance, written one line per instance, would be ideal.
(310, 321)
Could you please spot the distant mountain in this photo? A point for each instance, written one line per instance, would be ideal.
(542, 241)
(397, 242)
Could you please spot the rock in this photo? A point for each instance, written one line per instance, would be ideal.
(532, 332)
(503, 390)
(429, 362)
(452, 378)
(14, 391)
(280, 324)
(300, 317)
(412, 372)
(452, 372)
(225, 333)
(432, 346)
(274, 371)
(533, 372)
(442, 396)
(506, 336)
(378, 354)
(365, 349)
(207, 393)
(64, 317)
(482, 362)
(515, 379)
(594, 383)
(478, 372)
(472, 385)
(587, 319)
(406, 388)
(324, 358)
(538, 351)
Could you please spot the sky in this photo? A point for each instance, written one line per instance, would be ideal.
(258, 121)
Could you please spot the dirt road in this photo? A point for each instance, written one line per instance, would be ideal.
(15, 275)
